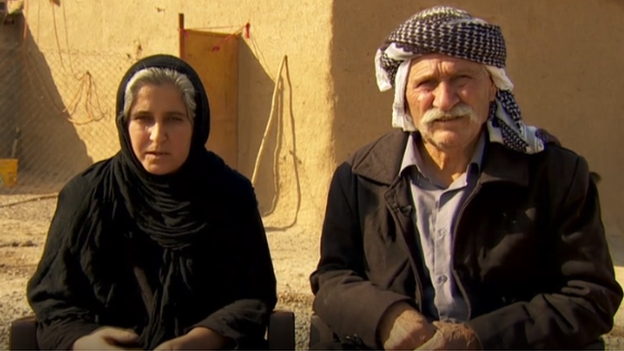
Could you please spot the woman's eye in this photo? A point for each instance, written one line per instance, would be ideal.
(176, 119)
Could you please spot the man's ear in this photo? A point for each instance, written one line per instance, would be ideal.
(492, 90)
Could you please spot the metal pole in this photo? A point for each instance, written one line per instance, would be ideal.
(181, 34)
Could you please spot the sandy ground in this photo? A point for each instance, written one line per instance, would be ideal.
(23, 229)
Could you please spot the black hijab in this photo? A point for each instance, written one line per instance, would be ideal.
(172, 209)
(163, 205)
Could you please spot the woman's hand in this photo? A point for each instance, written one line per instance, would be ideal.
(198, 338)
(108, 338)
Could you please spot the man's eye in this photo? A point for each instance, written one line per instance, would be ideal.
(462, 78)
(426, 83)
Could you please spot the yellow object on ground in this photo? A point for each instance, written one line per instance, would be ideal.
(8, 172)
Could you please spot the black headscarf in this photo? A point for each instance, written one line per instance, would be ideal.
(169, 209)
(163, 205)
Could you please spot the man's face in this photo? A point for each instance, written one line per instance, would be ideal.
(448, 99)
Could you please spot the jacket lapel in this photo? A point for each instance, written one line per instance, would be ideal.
(381, 164)
(382, 160)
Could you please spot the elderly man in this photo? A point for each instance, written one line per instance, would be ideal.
(465, 228)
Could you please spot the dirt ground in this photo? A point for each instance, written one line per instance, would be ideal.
(23, 229)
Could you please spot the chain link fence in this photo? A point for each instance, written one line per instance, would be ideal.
(57, 112)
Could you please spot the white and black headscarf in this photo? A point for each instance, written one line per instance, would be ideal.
(454, 32)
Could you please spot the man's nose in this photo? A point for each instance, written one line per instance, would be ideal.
(445, 97)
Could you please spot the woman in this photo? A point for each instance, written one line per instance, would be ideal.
(162, 246)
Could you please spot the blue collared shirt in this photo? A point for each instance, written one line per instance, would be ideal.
(436, 212)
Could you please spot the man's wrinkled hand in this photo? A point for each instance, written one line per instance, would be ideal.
(403, 328)
(452, 336)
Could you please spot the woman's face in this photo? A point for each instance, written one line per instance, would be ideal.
(160, 130)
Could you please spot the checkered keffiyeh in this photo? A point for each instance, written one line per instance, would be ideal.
(454, 32)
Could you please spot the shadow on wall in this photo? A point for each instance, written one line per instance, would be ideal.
(267, 141)
(10, 68)
(254, 107)
(49, 149)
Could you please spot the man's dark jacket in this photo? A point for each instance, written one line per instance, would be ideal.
(529, 253)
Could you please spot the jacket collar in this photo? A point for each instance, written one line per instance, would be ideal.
(382, 161)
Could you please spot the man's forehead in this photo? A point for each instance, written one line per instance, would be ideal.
(437, 63)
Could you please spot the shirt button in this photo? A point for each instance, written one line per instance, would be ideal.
(442, 279)
(442, 232)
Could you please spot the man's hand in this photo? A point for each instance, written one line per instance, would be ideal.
(451, 336)
(403, 328)
(197, 339)
(108, 338)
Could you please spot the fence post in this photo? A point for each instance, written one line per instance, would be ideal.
(181, 33)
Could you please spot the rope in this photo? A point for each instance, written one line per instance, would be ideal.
(269, 123)
(36, 198)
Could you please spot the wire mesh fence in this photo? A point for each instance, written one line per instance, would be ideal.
(57, 112)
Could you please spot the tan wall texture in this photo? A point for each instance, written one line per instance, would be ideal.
(565, 58)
